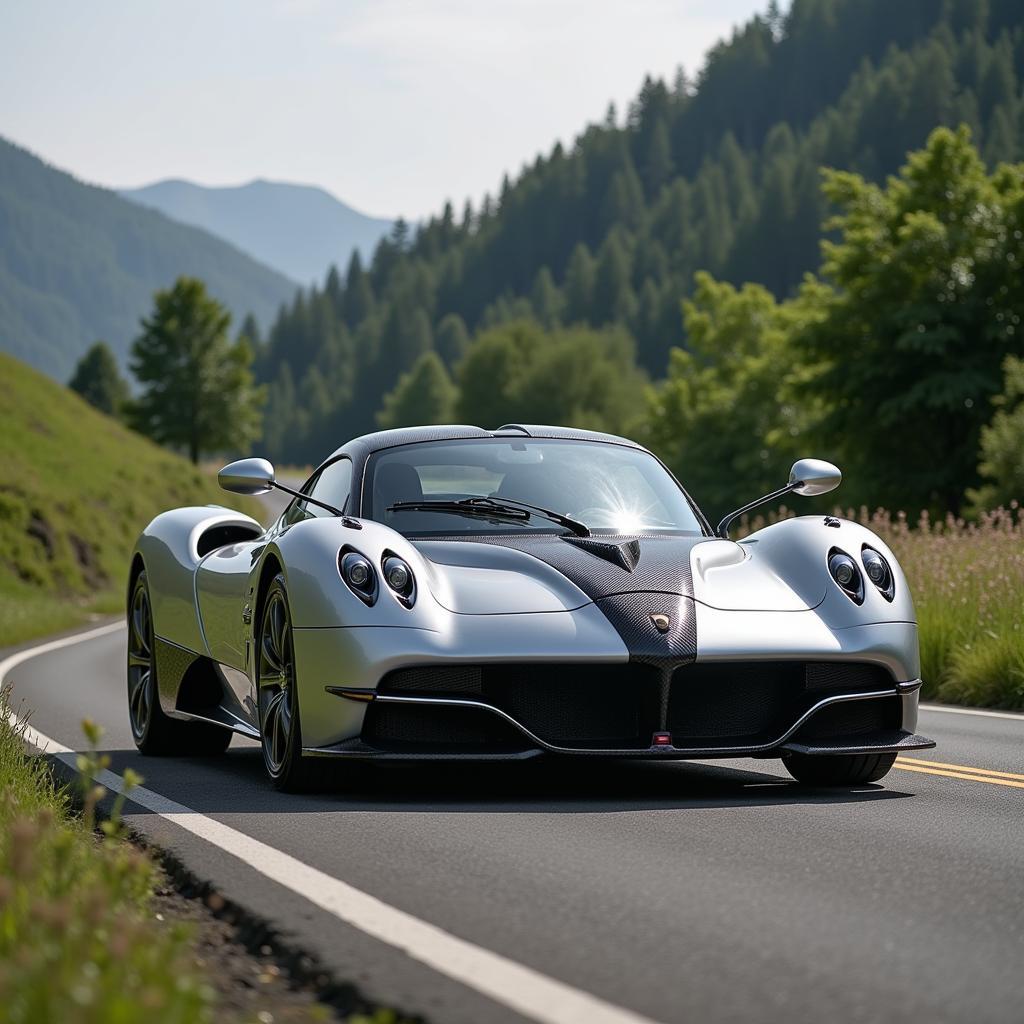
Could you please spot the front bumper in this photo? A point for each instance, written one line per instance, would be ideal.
(401, 694)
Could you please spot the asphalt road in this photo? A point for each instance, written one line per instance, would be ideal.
(681, 892)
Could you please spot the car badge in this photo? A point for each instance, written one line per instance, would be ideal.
(661, 622)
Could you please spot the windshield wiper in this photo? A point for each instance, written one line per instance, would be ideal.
(580, 529)
(491, 508)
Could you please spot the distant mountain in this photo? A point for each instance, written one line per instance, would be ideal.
(79, 263)
(299, 229)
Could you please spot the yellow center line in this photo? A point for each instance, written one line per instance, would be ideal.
(959, 775)
(928, 763)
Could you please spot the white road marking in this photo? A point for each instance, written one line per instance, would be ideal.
(55, 645)
(521, 988)
(973, 711)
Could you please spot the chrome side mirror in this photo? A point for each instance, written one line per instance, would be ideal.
(807, 477)
(247, 476)
(812, 476)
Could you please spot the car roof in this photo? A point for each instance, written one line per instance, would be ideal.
(367, 444)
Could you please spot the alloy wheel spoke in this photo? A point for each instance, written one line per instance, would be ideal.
(270, 726)
(280, 736)
(285, 714)
(270, 656)
(280, 632)
(140, 699)
(140, 622)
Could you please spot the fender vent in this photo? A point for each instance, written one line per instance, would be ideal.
(224, 534)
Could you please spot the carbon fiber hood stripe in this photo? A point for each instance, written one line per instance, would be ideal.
(659, 583)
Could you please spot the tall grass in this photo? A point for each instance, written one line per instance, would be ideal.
(967, 579)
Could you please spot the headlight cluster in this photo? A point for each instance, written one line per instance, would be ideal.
(844, 571)
(878, 571)
(847, 574)
(399, 578)
(361, 576)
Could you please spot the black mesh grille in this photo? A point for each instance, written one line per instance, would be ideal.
(598, 704)
(851, 718)
(437, 679)
(417, 727)
(618, 706)
(755, 702)
(714, 702)
(838, 675)
(567, 705)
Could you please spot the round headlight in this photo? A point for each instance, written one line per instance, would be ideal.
(397, 575)
(357, 571)
(874, 566)
(878, 571)
(844, 572)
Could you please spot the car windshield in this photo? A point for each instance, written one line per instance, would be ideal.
(608, 487)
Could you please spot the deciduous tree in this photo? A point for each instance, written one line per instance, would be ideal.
(424, 395)
(197, 386)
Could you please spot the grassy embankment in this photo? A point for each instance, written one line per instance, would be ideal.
(78, 940)
(81, 938)
(76, 488)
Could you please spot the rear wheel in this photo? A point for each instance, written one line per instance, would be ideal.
(838, 769)
(280, 730)
(153, 731)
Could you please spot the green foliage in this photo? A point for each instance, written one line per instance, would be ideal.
(1002, 444)
(78, 939)
(425, 394)
(77, 489)
(98, 380)
(924, 307)
(452, 339)
(719, 175)
(81, 263)
(198, 388)
(520, 373)
(727, 420)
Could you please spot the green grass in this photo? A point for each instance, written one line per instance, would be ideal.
(78, 941)
(967, 579)
(77, 487)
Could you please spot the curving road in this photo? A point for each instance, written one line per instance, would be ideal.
(706, 892)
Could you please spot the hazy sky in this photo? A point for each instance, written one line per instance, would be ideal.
(392, 106)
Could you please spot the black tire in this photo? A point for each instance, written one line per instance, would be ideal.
(838, 769)
(277, 698)
(154, 732)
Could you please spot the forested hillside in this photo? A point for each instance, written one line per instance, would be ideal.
(79, 263)
(719, 173)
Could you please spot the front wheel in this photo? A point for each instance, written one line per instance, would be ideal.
(154, 732)
(838, 769)
(280, 730)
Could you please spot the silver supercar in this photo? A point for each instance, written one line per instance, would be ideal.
(453, 592)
